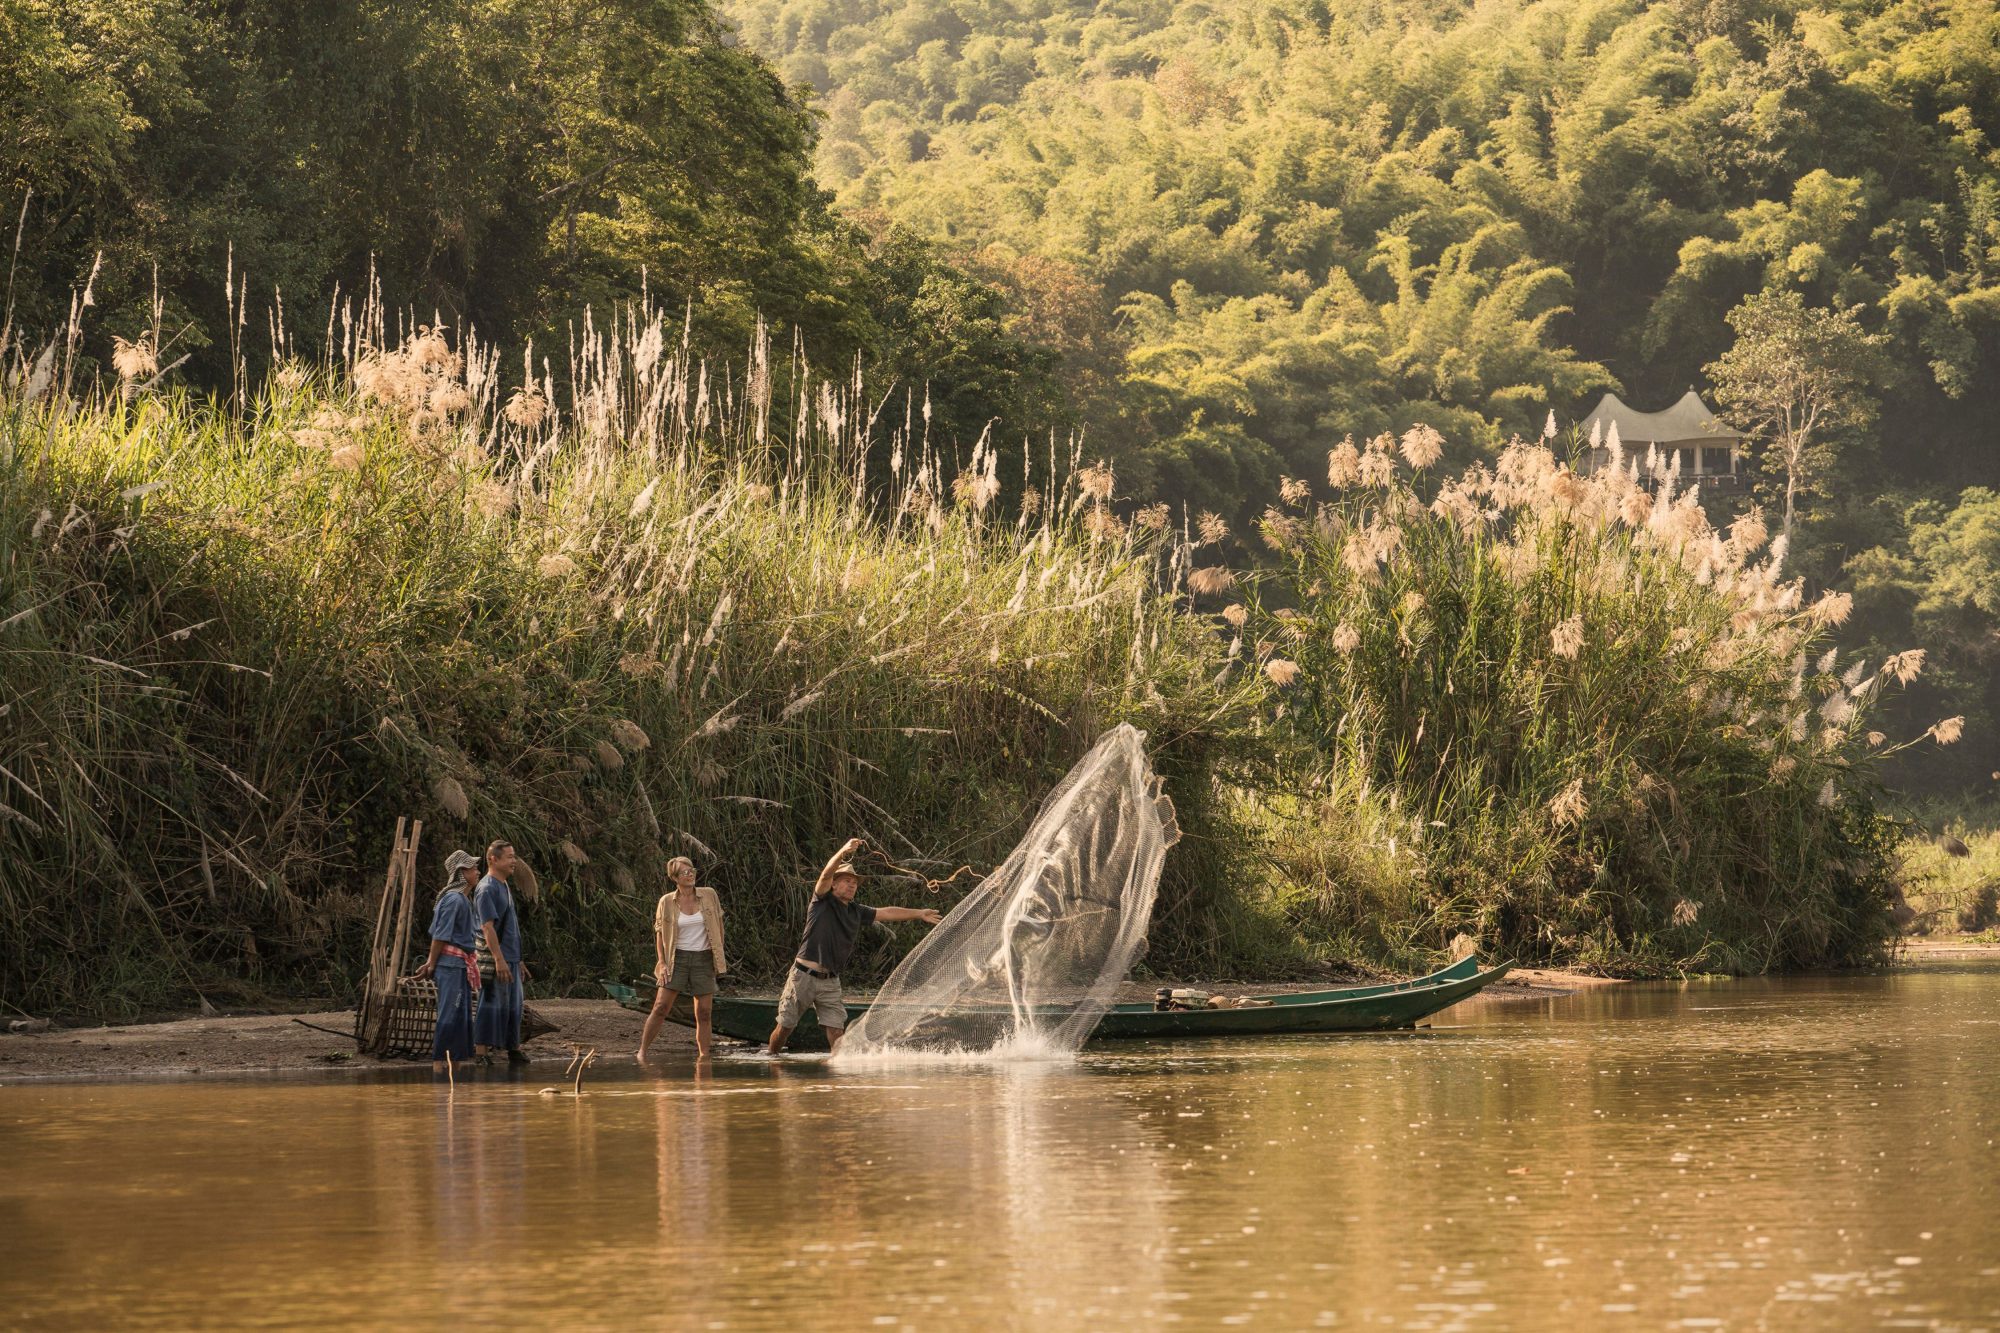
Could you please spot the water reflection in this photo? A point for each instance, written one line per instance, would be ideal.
(1801, 1154)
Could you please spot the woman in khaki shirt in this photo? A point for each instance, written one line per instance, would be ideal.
(687, 940)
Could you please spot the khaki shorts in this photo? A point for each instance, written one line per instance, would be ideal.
(821, 995)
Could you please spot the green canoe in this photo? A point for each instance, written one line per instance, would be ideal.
(1350, 1009)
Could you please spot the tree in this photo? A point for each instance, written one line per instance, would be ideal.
(1798, 375)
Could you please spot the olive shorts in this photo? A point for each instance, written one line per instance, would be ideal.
(820, 994)
(694, 972)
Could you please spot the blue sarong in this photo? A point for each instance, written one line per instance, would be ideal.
(499, 1022)
(454, 1016)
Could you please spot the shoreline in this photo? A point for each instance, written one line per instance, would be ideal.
(265, 1042)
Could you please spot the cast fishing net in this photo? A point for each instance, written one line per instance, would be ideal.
(1034, 955)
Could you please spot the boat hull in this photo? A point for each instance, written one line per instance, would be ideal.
(1349, 1009)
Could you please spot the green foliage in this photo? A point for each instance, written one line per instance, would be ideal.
(1937, 582)
(232, 651)
(506, 165)
(1322, 219)
(1566, 717)
(1800, 378)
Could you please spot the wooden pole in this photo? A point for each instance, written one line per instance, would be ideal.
(375, 990)
(409, 894)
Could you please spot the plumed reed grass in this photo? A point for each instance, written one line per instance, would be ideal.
(1565, 715)
(643, 608)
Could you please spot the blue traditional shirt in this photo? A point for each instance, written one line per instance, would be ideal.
(452, 920)
(495, 903)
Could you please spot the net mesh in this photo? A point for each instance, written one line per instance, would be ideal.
(1034, 955)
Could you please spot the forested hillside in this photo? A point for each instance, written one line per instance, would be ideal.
(1270, 224)
(204, 169)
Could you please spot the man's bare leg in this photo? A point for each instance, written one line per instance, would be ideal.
(833, 1036)
(779, 1036)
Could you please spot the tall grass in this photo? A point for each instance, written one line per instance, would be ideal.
(739, 616)
(638, 604)
(1567, 717)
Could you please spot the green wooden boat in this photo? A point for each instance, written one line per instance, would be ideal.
(1398, 1004)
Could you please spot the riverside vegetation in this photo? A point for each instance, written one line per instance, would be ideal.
(741, 614)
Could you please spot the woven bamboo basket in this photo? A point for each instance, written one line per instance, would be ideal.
(405, 1019)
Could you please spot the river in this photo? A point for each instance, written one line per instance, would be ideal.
(1804, 1153)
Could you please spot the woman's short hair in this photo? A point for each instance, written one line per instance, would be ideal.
(675, 863)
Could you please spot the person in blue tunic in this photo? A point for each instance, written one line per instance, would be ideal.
(453, 936)
(498, 1027)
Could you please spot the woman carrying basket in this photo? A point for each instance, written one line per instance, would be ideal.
(687, 941)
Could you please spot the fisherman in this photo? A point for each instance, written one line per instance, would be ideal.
(452, 933)
(499, 1025)
(832, 922)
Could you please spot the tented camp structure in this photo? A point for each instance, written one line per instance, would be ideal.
(1709, 453)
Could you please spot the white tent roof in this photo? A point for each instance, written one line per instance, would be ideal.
(1688, 421)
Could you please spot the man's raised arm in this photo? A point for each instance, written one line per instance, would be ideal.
(847, 849)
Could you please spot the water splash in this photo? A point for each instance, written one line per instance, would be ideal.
(1025, 966)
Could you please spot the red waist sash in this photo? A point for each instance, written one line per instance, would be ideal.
(471, 966)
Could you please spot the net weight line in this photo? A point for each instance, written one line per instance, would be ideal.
(875, 854)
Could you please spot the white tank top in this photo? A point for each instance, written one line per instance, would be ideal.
(690, 932)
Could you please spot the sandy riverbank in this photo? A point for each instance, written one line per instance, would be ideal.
(255, 1043)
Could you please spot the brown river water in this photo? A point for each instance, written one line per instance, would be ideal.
(1807, 1153)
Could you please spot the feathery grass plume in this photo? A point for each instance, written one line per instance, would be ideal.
(526, 409)
(1422, 446)
(1211, 580)
(1292, 491)
(1345, 638)
(491, 498)
(1280, 529)
(1154, 517)
(607, 755)
(1095, 482)
(134, 360)
(1568, 807)
(1748, 533)
(1281, 671)
(1378, 465)
(1566, 639)
(1905, 666)
(555, 565)
(572, 853)
(1948, 731)
(1235, 614)
(630, 735)
(349, 457)
(451, 795)
(1103, 525)
(1686, 912)
(1343, 465)
(1833, 608)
